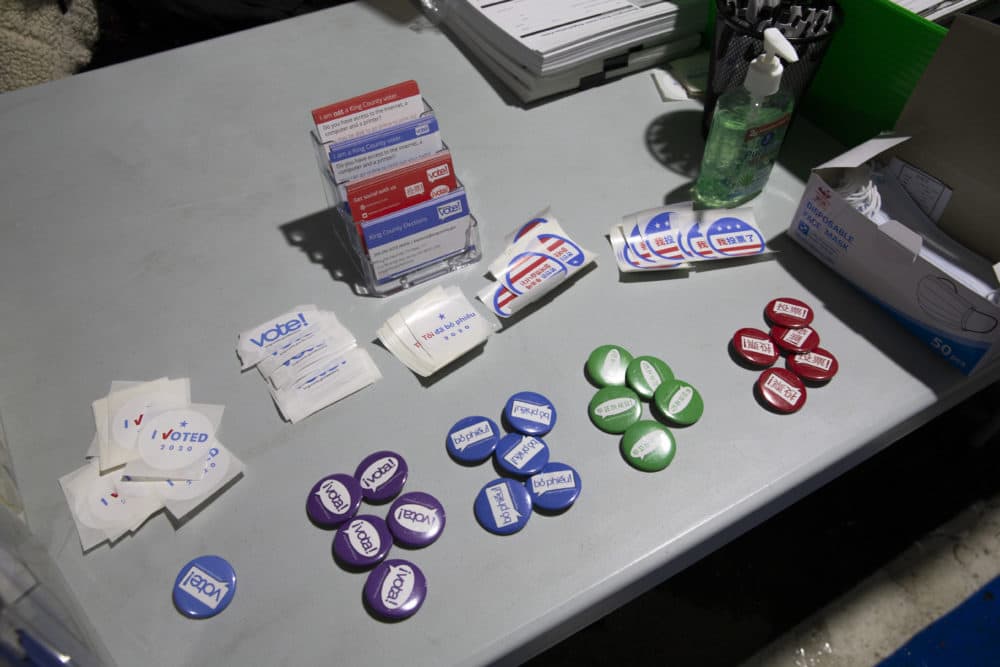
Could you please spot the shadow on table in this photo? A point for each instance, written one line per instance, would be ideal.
(315, 236)
(861, 314)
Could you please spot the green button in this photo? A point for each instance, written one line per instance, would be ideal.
(648, 446)
(614, 409)
(678, 402)
(645, 374)
(606, 365)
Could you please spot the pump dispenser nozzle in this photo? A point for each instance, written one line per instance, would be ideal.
(764, 75)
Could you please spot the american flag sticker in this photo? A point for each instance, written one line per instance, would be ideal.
(734, 237)
(529, 270)
(662, 239)
(563, 249)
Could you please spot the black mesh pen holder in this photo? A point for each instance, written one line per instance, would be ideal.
(736, 43)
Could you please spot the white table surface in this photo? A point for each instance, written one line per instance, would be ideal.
(146, 217)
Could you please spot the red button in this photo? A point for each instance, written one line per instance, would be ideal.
(802, 339)
(817, 366)
(782, 389)
(755, 346)
(787, 312)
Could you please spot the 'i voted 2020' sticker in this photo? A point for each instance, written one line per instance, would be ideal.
(555, 487)
(333, 500)
(472, 439)
(176, 439)
(416, 519)
(382, 476)
(521, 455)
(216, 465)
(530, 413)
(503, 506)
(128, 420)
(395, 589)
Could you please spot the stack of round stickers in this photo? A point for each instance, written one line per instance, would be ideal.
(530, 479)
(626, 381)
(806, 363)
(395, 588)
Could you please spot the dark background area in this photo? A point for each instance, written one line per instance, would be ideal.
(734, 602)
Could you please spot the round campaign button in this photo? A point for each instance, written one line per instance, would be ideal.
(382, 476)
(472, 439)
(803, 339)
(816, 366)
(645, 374)
(648, 446)
(788, 312)
(530, 413)
(614, 409)
(755, 347)
(555, 488)
(607, 364)
(416, 519)
(204, 587)
(678, 402)
(362, 542)
(521, 454)
(503, 506)
(395, 589)
(333, 500)
(781, 389)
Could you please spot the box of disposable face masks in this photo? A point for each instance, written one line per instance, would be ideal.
(909, 218)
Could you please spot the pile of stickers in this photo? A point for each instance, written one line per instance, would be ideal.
(783, 390)
(395, 588)
(434, 330)
(676, 237)
(625, 381)
(308, 359)
(504, 505)
(153, 448)
(539, 257)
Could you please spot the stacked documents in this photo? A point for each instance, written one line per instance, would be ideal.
(541, 47)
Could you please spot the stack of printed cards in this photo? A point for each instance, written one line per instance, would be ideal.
(308, 359)
(676, 236)
(170, 452)
(539, 257)
(434, 330)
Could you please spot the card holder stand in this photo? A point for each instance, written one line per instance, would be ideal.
(351, 235)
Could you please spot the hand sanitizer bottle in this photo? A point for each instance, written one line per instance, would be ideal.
(747, 130)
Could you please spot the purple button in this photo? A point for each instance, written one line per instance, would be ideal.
(395, 589)
(416, 519)
(362, 541)
(382, 476)
(333, 500)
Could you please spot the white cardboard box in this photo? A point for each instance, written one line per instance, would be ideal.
(951, 117)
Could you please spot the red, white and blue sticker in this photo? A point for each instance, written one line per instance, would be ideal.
(528, 226)
(637, 244)
(734, 237)
(563, 249)
(696, 244)
(662, 239)
(529, 270)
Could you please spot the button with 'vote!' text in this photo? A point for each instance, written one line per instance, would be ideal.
(416, 519)
(530, 413)
(521, 455)
(503, 506)
(333, 500)
(382, 476)
(395, 589)
(614, 409)
(472, 439)
(362, 541)
(648, 446)
(204, 587)
(607, 364)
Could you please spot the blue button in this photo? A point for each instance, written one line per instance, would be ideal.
(204, 587)
(555, 488)
(473, 439)
(521, 455)
(503, 506)
(530, 413)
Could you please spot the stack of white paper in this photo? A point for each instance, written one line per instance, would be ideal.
(171, 455)
(541, 47)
